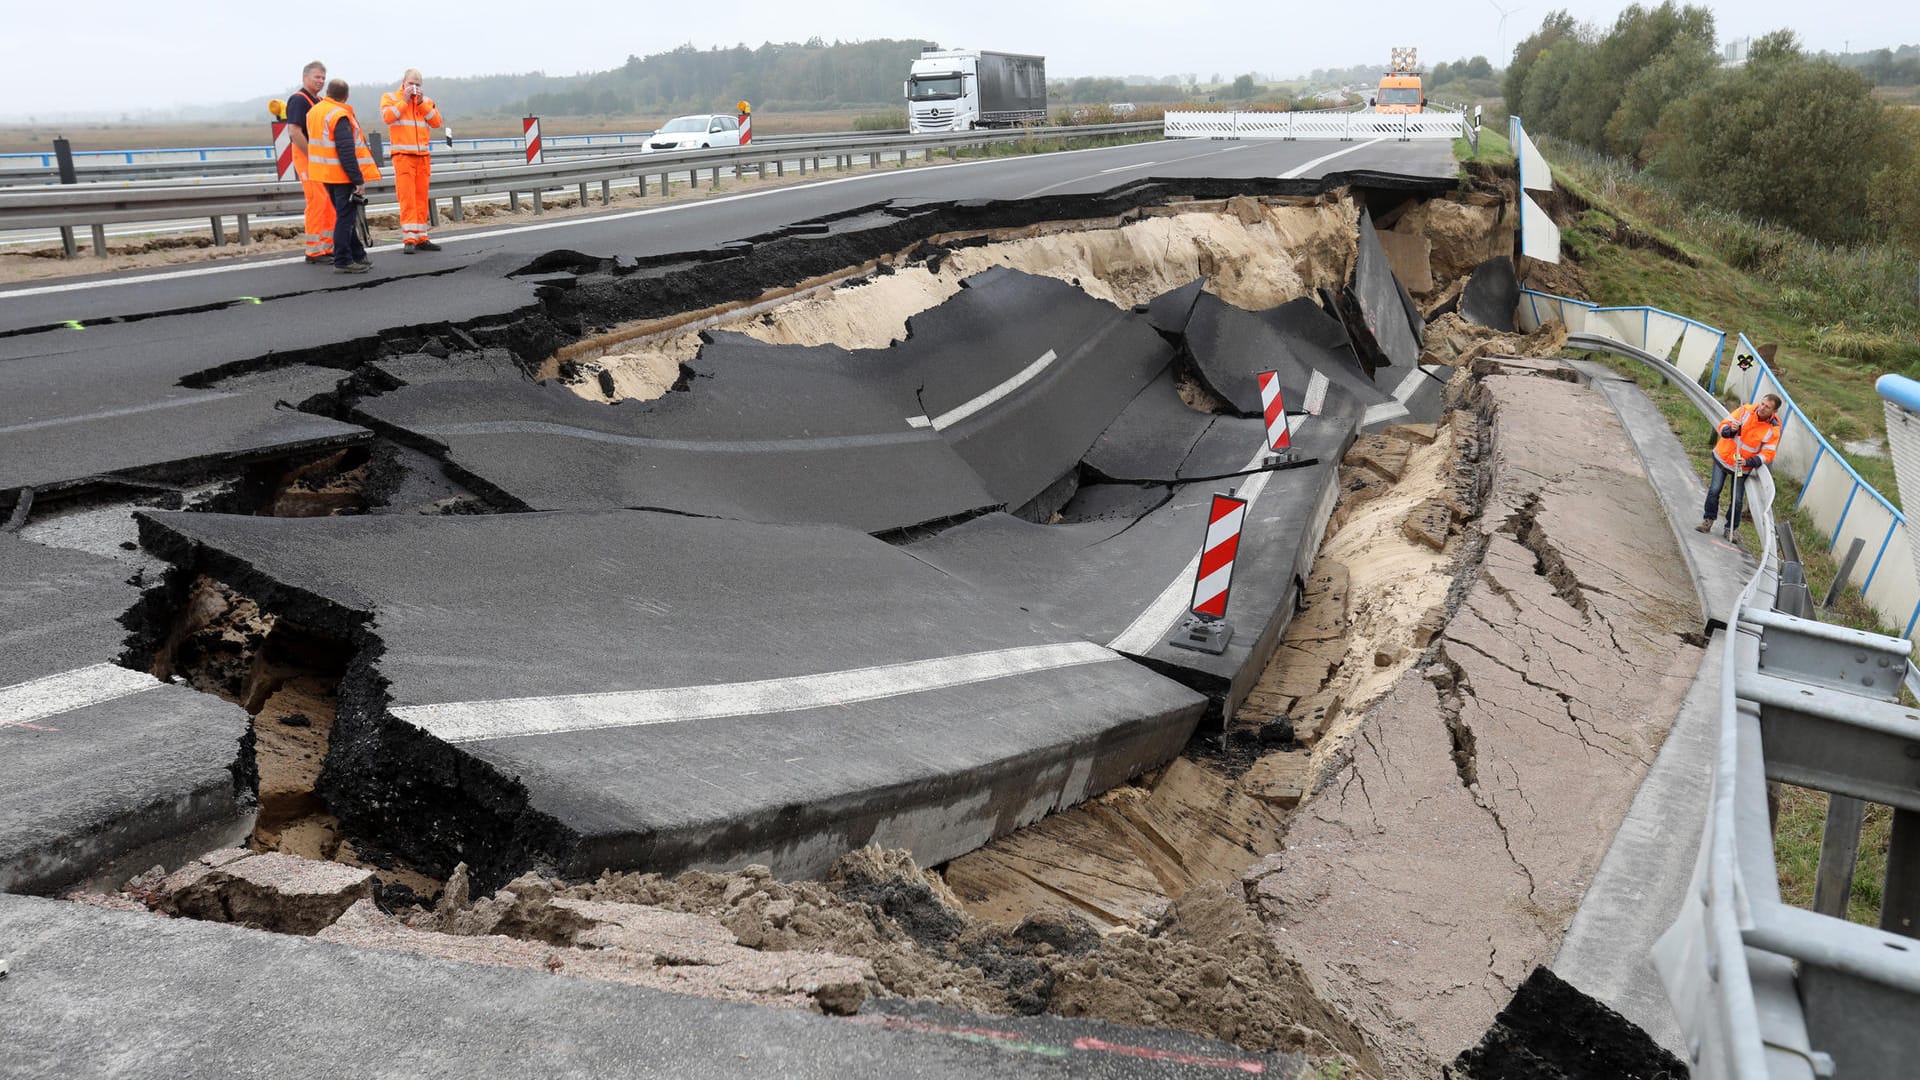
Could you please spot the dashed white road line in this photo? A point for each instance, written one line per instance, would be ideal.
(51, 695)
(478, 721)
(1300, 170)
(960, 412)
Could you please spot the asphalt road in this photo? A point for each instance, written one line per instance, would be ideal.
(701, 224)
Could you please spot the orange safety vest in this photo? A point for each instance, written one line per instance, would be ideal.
(325, 157)
(1753, 436)
(300, 152)
(410, 124)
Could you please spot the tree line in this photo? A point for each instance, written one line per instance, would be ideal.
(1785, 137)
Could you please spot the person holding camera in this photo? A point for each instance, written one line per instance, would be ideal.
(411, 117)
(338, 155)
(1748, 438)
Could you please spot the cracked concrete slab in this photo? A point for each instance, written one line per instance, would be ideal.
(1442, 860)
(101, 767)
(694, 693)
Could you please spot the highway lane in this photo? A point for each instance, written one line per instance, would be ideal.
(705, 223)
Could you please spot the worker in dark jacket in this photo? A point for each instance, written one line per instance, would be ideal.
(339, 157)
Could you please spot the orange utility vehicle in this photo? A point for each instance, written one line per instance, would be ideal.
(1400, 90)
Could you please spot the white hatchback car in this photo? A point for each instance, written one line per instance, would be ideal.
(695, 133)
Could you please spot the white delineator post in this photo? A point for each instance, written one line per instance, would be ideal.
(1205, 628)
(1279, 439)
(530, 130)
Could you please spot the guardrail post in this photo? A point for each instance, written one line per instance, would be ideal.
(716, 179)
(246, 234)
(99, 241)
(539, 202)
(903, 159)
(606, 193)
(513, 202)
(1900, 901)
(377, 145)
(219, 234)
(583, 194)
(433, 213)
(63, 151)
(1846, 573)
(1839, 851)
(459, 210)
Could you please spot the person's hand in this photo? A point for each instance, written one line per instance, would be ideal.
(1753, 461)
(1727, 431)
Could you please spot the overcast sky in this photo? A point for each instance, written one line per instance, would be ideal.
(113, 55)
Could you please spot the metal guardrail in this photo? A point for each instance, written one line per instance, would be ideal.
(99, 205)
(1340, 125)
(257, 161)
(1762, 989)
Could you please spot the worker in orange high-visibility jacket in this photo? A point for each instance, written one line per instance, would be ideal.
(1749, 437)
(339, 158)
(319, 225)
(411, 117)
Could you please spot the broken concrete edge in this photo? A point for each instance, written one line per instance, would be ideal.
(167, 830)
(179, 476)
(610, 290)
(492, 494)
(400, 792)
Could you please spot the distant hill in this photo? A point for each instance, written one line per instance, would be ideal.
(813, 75)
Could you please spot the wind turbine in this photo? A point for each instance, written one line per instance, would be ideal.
(1501, 35)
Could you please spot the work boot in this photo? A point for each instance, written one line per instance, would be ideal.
(353, 268)
(320, 260)
(1704, 526)
(408, 249)
(425, 245)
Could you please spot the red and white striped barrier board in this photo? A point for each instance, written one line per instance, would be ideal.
(283, 149)
(530, 128)
(746, 123)
(1215, 577)
(1278, 438)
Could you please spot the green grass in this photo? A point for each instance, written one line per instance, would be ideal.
(1494, 148)
(1796, 852)
(1841, 317)
(1032, 145)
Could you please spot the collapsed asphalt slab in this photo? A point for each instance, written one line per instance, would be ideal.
(632, 689)
(100, 766)
(760, 434)
(173, 989)
(1119, 566)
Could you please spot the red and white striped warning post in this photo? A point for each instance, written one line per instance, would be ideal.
(746, 123)
(283, 149)
(1279, 439)
(530, 128)
(1206, 628)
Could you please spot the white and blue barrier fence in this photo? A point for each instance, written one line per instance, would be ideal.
(1842, 504)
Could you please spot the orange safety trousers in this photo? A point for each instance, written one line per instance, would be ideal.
(410, 174)
(319, 218)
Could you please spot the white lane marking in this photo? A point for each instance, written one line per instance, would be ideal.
(1128, 168)
(1408, 385)
(130, 410)
(1036, 192)
(1297, 171)
(514, 230)
(960, 412)
(38, 699)
(918, 422)
(1152, 624)
(1390, 410)
(476, 721)
(1316, 396)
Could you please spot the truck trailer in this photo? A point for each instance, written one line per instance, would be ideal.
(963, 89)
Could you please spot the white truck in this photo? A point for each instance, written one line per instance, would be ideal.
(962, 89)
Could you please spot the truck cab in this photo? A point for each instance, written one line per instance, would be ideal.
(964, 89)
(943, 92)
(1399, 92)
